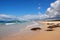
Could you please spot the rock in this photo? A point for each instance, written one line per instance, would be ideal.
(49, 30)
(36, 28)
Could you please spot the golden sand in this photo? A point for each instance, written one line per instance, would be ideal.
(54, 35)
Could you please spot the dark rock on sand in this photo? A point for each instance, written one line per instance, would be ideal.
(37, 28)
(49, 30)
(53, 26)
(58, 25)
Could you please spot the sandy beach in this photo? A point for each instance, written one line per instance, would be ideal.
(29, 19)
(35, 35)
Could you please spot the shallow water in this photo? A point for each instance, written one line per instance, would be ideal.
(13, 28)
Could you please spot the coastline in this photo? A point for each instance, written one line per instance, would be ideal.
(36, 35)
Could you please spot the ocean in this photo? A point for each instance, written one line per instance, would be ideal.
(11, 28)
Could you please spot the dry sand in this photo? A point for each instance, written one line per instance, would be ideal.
(50, 35)
(35, 35)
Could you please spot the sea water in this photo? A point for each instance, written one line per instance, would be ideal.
(10, 28)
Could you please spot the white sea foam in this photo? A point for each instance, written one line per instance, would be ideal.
(32, 25)
(9, 23)
(11, 28)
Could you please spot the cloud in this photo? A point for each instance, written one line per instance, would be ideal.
(7, 17)
(52, 12)
(34, 17)
(54, 9)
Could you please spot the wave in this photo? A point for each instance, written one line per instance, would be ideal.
(9, 23)
(32, 25)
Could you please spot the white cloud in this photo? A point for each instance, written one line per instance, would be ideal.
(54, 9)
(7, 17)
(51, 12)
(31, 16)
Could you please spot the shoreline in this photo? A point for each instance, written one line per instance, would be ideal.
(36, 35)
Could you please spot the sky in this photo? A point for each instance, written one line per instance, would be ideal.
(24, 7)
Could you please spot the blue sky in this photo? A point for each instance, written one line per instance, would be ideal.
(23, 7)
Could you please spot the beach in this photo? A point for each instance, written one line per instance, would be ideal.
(29, 19)
(42, 34)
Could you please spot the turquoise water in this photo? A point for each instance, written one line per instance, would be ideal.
(6, 29)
